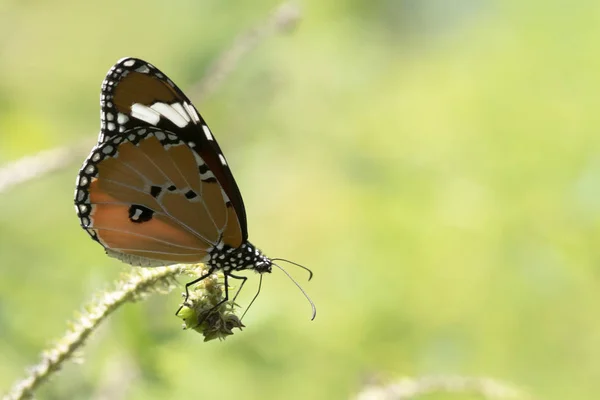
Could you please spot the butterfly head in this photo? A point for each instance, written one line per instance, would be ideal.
(260, 262)
(263, 265)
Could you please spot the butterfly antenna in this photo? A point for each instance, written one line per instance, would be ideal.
(314, 309)
(296, 264)
(254, 298)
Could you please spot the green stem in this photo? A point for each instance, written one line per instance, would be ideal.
(136, 285)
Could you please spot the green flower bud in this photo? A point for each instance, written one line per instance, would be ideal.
(204, 313)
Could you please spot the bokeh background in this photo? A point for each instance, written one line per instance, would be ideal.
(437, 165)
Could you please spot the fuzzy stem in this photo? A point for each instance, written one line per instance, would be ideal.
(284, 18)
(134, 286)
(412, 387)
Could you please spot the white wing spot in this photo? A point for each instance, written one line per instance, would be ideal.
(179, 108)
(107, 150)
(143, 69)
(111, 126)
(145, 113)
(226, 199)
(207, 175)
(170, 113)
(129, 63)
(192, 112)
(222, 159)
(198, 159)
(160, 135)
(136, 216)
(207, 133)
(122, 118)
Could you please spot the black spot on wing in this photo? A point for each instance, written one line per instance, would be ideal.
(190, 194)
(155, 191)
(139, 214)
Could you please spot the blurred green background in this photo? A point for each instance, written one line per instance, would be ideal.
(437, 165)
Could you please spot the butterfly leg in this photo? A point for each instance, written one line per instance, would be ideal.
(206, 314)
(242, 285)
(243, 279)
(187, 286)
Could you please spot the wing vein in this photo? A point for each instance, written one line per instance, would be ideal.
(142, 236)
(166, 177)
(121, 249)
(200, 194)
(188, 228)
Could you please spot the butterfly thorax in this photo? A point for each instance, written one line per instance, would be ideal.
(237, 259)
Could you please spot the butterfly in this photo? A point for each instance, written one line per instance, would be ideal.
(156, 189)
